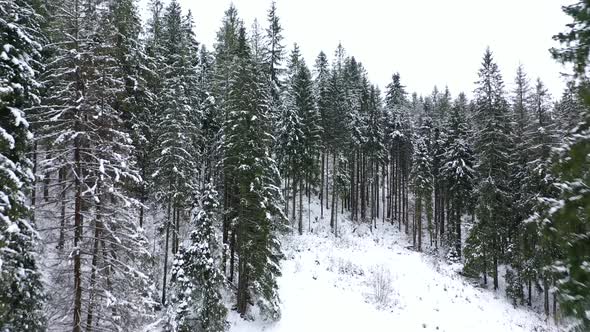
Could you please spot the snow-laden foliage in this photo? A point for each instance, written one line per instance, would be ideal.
(21, 292)
(198, 282)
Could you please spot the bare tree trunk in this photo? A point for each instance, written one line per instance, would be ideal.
(300, 224)
(77, 242)
(177, 231)
(242, 288)
(334, 197)
(546, 295)
(384, 181)
(97, 238)
(174, 208)
(458, 240)
(322, 186)
(232, 258)
(225, 226)
(166, 253)
(62, 197)
(294, 215)
(495, 259)
(287, 196)
(419, 219)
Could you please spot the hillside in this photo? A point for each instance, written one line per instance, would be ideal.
(328, 285)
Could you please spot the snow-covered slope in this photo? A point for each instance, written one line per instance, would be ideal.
(328, 285)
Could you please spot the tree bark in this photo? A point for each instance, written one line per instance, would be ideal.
(166, 254)
(77, 242)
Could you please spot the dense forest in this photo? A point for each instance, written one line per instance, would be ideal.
(144, 177)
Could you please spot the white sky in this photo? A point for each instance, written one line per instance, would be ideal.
(429, 42)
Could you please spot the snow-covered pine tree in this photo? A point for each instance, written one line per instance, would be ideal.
(457, 169)
(290, 134)
(398, 138)
(339, 140)
(374, 148)
(569, 109)
(441, 103)
(421, 177)
(493, 148)
(21, 290)
(137, 99)
(274, 53)
(84, 137)
(258, 196)
(197, 279)
(570, 212)
(225, 52)
(310, 118)
(322, 97)
(176, 165)
(520, 270)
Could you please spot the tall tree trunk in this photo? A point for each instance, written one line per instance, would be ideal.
(300, 224)
(97, 234)
(458, 240)
(334, 197)
(242, 288)
(62, 198)
(485, 266)
(166, 253)
(174, 215)
(419, 220)
(384, 181)
(327, 182)
(287, 197)
(546, 295)
(495, 258)
(232, 250)
(294, 214)
(322, 186)
(77, 241)
(225, 226)
(177, 230)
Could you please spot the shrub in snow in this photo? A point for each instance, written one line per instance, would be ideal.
(381, 283)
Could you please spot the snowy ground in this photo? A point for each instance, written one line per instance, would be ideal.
(327, 286)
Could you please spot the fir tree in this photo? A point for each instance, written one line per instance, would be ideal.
(85, 138)
(250, 165)
(21, 291)
(197, 279)
(492, 148)
(569, 214)
(457, 170)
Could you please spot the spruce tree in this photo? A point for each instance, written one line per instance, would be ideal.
(492, 148)
(458, 172)
(274, 53)
(21, 290)
(198, 281)
(84, 138)
(570, 212)
(249, 163)
(176, 167)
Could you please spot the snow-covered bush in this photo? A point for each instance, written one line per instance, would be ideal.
(381, 283)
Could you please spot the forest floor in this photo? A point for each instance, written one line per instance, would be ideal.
(333, 284)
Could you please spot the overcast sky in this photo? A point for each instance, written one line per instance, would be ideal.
(429, 42)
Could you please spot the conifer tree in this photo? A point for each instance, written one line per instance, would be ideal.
(21, 290)
(274, 56)
(492, 147)
(198, 281)
(422, 185)
(176, 167)
(85, 138)
(569, 214)
(249, 163)
(457, 169)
